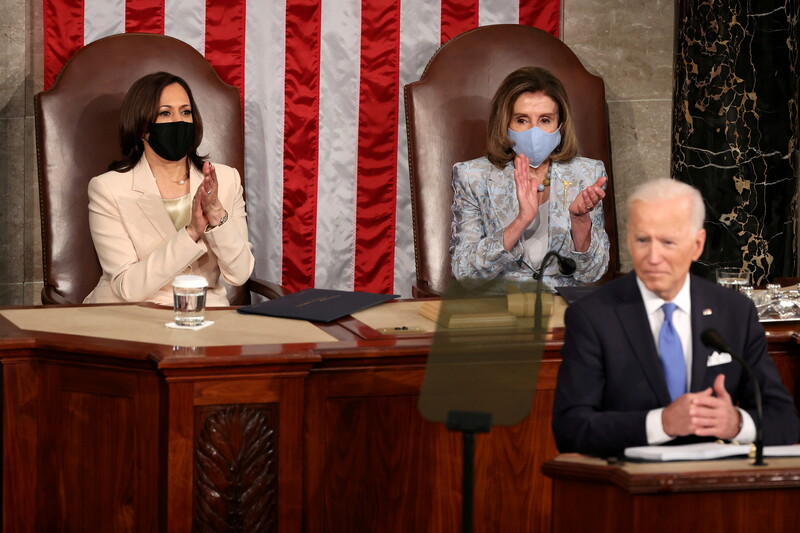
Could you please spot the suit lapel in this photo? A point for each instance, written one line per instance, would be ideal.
(150, 201)
(632, 313)
(702, 317)
(502, 197)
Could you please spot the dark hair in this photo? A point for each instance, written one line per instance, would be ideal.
(528, 80)
(140, 109)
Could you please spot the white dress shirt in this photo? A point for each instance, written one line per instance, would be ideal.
(682, 320)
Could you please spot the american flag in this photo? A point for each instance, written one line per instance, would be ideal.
(326, 167)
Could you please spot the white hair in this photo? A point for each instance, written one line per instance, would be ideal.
(663, 189)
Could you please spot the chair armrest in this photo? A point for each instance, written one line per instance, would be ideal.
(423, 290)
(265, 288)
(50, 296)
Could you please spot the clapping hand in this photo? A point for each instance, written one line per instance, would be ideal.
(207, 193)
(527, 190)
(708, 413)
(197, 225)
(588, 198)
(206, 207)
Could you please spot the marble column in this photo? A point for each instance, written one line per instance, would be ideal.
(735, 129)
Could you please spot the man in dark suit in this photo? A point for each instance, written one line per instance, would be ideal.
(634, 370)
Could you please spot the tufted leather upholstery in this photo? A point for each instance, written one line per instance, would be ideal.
(76, 134)
(447, 112)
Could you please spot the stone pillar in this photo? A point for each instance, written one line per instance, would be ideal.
(735, 129)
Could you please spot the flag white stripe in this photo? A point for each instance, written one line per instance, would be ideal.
(420, 28)
(338, 138)
(263, 127)
(186, 20)
(498, 12)
(102, 18)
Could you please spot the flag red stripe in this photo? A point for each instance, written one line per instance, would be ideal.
(542, 14)
(377, 145)
(224, 38)
(301, 142)
(63, 35)
(144, 16)
(458, 16)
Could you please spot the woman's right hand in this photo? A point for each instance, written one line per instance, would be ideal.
(528, 199)
(197, 225)
(527, 190)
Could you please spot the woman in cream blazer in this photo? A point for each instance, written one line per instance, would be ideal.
(162, 211)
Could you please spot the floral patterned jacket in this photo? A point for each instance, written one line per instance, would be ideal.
(485, 203)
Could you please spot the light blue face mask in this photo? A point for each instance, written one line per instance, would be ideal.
(535, 144)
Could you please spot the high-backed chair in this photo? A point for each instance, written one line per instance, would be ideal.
(447, 113)
(77, 137)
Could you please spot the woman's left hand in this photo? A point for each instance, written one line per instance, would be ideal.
(588, 198)
(580, 207)
(212, 207)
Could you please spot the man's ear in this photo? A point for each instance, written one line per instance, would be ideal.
(700, 242)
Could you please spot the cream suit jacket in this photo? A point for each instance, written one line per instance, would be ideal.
(140, 250)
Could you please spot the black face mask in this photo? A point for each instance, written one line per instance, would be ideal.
(171, 140)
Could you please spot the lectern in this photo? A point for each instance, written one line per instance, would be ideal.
(725, 496)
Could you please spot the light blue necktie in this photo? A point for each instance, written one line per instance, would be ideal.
(671, 353)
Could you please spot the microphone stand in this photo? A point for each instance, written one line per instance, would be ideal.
(712, 339)
(759, 442)
(566, 266)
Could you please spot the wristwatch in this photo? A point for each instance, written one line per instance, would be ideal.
(223, 220)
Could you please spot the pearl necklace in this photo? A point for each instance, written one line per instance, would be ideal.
(545, 183)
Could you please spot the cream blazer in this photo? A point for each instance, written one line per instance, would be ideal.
(140, 250)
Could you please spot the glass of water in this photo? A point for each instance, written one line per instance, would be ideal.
(733, 277)
(189, 295)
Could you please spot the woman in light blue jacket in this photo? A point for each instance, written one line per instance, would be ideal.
(530, 194)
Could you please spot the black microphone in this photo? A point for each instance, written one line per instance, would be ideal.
(712, 339)
(566, 265)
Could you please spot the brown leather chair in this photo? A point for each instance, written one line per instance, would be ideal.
(447, 112)
(77, 137)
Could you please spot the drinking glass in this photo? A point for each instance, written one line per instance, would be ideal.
(189, 296)
(733, 277)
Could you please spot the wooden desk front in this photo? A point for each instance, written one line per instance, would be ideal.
(109, 435)
(726, 496)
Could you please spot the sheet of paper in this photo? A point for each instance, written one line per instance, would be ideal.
(687, 452)
(705, 450)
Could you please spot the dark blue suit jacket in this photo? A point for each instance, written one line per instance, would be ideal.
(611, 375)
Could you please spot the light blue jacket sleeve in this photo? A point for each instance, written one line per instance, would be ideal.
(580, 173)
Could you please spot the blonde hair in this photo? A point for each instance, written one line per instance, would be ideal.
(528, 80)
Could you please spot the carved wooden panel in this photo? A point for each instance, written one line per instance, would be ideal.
(235, 469)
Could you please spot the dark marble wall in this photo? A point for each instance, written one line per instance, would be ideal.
(735, 129)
